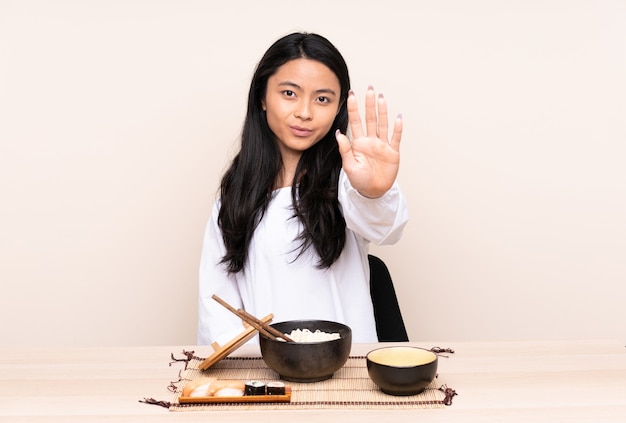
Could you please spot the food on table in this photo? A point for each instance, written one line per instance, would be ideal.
(275, 388)
(255, 387)
(212, 387)
(305, 335)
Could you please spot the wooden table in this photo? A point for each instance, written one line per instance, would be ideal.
(573, 381)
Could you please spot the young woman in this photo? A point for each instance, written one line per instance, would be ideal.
(301, 202)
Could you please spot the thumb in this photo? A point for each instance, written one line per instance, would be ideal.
(343, 143)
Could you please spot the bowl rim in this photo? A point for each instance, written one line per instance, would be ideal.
(392, 347)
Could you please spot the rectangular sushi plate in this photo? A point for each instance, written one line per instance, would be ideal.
(238, 399)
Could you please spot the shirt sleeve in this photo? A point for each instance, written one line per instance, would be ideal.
(216, 323)
(378, 220)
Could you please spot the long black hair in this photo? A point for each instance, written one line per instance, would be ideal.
(247, 186)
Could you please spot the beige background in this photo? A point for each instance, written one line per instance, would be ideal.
(117, 119)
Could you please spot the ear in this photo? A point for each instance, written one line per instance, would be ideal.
(263, 106)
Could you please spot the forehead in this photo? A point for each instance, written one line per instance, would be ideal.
(306, 73)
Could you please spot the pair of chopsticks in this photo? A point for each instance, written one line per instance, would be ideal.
(259, 325)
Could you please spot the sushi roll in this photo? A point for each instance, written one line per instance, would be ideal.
(255, 387)
(275, 388)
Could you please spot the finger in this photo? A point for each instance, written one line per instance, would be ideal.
(353, 116)
(370, 112)
(383, 120)
(343, 143)
(397, 133)
(345, 149)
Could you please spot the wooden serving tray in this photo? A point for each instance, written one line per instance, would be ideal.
(238, 399)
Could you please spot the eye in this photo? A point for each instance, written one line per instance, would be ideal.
(323, 99)
(289, 93)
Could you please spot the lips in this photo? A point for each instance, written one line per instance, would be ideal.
(300, 132)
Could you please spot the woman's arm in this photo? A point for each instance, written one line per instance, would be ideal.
(371, 200)
(378, 220)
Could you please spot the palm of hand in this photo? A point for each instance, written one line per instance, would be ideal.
(370, 161)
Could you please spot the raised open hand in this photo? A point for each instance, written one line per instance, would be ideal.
(371, 161)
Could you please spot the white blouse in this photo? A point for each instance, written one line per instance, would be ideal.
(274, 281)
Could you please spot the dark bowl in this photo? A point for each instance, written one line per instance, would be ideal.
(307, 361)
(402, 370)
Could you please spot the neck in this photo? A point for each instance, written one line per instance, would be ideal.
(285, 179)
(288, 172)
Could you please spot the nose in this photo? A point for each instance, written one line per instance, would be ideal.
(303, 111)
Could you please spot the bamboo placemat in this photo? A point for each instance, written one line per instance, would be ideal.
(349, 388)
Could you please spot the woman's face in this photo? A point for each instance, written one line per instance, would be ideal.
(301, 102)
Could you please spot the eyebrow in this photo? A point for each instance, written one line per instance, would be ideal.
(294, 85)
